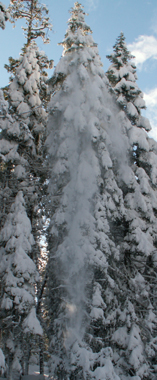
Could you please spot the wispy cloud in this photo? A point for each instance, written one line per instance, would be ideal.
(143, 48)
(92, 4)
(151, 113)
(154, 23)
(151, 97)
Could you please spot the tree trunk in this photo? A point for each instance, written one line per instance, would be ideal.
(27, 361)
(10, 360)
(30, 23)
(41, 356)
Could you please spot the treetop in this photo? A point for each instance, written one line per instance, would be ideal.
(36, 15)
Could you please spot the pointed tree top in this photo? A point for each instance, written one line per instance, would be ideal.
(122, 77)
(120, 51)
(77, 29)
(77, 19)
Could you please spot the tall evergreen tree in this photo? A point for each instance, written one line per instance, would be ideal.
(102, 239)
(27, 96)
(122, 77)
(18, 272)
(23, 121)
(14, 135)
(24, 92)
(18, 275)
(37, 25)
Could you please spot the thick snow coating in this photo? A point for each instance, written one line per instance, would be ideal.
(103, 221)
(18, 249)
(22, 121)
(15, 263)
(18, 273)
(24, 91)
(31, 324)
(71, 133)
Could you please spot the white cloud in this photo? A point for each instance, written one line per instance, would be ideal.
(92, 4)
(154, 23)
(151, 113)
(151, 98)
(143, 48)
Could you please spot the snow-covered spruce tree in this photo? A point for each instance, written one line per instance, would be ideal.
(13, 136)
(14, 176)
(27, 91)
(4, 15)
(16, 131)
(24, 93)
(122, 77)
(23, 124)
(139, 246)
(28, 75)
(21, 163)
(102, 239)
(18, 275)
(27, 97)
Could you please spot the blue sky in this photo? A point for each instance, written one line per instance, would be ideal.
(107, 18)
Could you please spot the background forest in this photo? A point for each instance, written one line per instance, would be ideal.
(78, 225)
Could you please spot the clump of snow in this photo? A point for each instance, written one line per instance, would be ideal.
(31, 324)
(105, 372)
(143, 122)
(139, 137)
